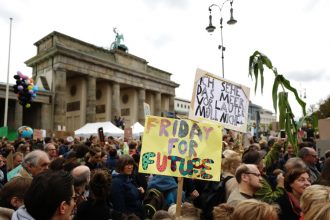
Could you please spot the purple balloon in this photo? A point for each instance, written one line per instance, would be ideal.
(20, 87)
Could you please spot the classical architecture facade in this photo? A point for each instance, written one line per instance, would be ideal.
(84, 83)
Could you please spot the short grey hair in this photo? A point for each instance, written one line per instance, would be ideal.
(33, 158)
(47, 146)
(81, 175)
(303, 152)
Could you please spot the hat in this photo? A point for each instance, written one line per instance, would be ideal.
(69, 139)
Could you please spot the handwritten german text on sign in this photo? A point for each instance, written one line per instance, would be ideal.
(181, 148)
(220, 100)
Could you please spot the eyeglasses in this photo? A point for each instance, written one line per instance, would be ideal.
(255, 174)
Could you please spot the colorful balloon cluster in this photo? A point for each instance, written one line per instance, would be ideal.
(25, 90)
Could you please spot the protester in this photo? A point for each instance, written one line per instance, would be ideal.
(97, 206)
(81, 177)
(94, 157)
(33, 163)
(246, 210)
(50, 196)
(312, 196)
(324, 178)
(51, 150)
(126, 197)
(309, 156)
(319, 212)
(248, 178)
(230, 163)
(295, 182)
(12, 196)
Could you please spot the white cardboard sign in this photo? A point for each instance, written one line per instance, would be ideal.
(220, 100)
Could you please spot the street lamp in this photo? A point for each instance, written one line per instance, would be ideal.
(211, 28)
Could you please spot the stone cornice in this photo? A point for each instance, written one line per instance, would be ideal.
(62, 50)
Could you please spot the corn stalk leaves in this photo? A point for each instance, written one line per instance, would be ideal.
(274, 93)
(286, 84)
(282, 106)
(256, 69)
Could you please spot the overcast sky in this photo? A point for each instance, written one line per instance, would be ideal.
(171, 35)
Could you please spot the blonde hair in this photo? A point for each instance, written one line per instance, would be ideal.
(188, 211)
(228, 162)
(320, 211)
(223, 212)
(252, 209)
(314, 195)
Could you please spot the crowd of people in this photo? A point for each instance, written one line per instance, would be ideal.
(72, 178)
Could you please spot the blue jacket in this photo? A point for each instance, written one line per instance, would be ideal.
(168, 186)
(125, 196)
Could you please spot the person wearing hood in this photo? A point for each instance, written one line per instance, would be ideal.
(126, 196)
(167, 185)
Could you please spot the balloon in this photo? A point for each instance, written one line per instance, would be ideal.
(25, 132)
(21, 75)
(25, 89)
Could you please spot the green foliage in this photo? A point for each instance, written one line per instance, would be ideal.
(324, 109)
(280, 99)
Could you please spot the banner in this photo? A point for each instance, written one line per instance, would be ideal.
(220, 100)
(181, 148)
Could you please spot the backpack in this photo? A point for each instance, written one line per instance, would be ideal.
(153, 201)
(213, 194)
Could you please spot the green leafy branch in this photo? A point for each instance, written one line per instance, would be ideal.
(280, 99)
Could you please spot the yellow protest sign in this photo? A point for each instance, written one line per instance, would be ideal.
(181, 148)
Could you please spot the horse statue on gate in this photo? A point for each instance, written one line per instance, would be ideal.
(117, 43)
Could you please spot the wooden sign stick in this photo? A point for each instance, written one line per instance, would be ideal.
(179, 198)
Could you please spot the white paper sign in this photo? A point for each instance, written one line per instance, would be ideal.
(146, 109)
(220, 100)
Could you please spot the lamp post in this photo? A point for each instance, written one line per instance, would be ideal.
(211, 28)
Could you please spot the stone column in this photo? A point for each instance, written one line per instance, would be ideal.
(115, 104)
(91, 99)
(171, 103)
(141, 101)
(46, 114)
(18, 115)
(158, 104)
(59, 98)
(108, 93)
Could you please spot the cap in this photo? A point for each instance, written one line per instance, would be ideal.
(69, 139)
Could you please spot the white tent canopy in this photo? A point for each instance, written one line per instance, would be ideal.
(89, 129)
(137, 130)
